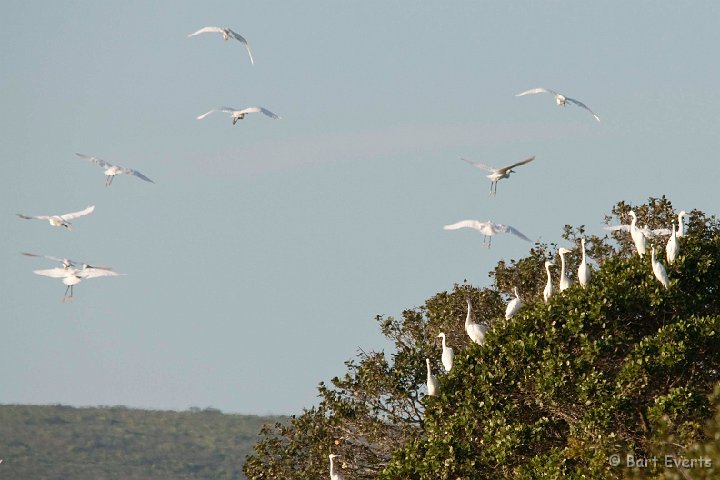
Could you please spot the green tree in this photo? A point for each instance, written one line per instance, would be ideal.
(554, 391)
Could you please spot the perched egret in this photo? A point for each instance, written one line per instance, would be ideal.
(497, 174)
(659, 270)
(447, 354)
(565, 281)
(476, 331)
(239, 114)
(583, 270)
(549, 289)
(227, 35)
(60, 220)
(71, 276)
(559, 99)
(333, 474)
(432, 383)
(488, 229)
(513, 305)
(112, 170)
(681, 225)
(673, 247)
(635, 232)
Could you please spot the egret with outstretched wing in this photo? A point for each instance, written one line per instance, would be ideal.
(112, 170)
(60, 220)
(488, 229)
(497, 174)
(227, 35)
(240, 114)
(560, 99)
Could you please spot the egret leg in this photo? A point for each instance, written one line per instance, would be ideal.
(111, 179)
(66, 292)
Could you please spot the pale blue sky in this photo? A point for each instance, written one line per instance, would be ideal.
(257, 262)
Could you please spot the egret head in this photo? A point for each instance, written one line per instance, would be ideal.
(332, 456)
(563, 251)
(548, 264)
(441, 335)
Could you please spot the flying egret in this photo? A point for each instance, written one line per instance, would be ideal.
(513, 305)
(71, 276)
(60, 220)
(227, 35)
(659, 270)
(681, 225)
(559, 99)
(673, 247)
(447, 354)
(240, 114)
(583, 270)
(565, 281)
(488, 229)
(112, 170)
(549, 289)
(65, 262)
(497, 174)
(476, 331)
(432, 383)
(639, 234)
(333, 474)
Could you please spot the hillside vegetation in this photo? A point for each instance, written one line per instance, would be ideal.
(59, 442)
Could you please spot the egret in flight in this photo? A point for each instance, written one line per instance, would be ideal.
(549, 289)
(513, 305)
(476, 331)
(65, 262)
(639, 234)
(565, 281)
(659, 270)
(240, 114)
(71, 276)
(448, 354)
(497, 174)
(112, 170)
(227, 35)
(560, 99)
(583, 270)
(60, 220)
(488, 229)
(333, 474)
(432, 383)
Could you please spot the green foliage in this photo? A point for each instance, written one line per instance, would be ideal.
(557, 389)
(58, 442)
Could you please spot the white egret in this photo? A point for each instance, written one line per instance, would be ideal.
(639, 234)
(448, 354)
(565, 281)
(673, 247)
(659, 270)
(333, 474)
(476, 331)
(560, 99)
(488, 229)
(513, 305)
(240, 114)
(60, 220)
(112, 170)
(549, 289)
(583, 270)
(71, 276)
(681, 225)
(432, 384)
(227, 35)
(497, 174)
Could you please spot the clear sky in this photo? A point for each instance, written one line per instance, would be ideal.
(257, 262)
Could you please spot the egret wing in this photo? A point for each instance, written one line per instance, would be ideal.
(533, 91)
(94, 272)
(615, 228)
(582, 105)
(74, 215)
(474, 224)
(200, 117)
(53, 272)
(522, 162)
(130, 171)
(95, 160)
(27, 217)
(242, 40)
(479, 165)
(514, 231)
(262, 110)
(207, 30)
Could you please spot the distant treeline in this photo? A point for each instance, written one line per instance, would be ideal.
(60, 442)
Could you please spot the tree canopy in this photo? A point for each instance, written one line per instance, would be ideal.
(623, 366)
